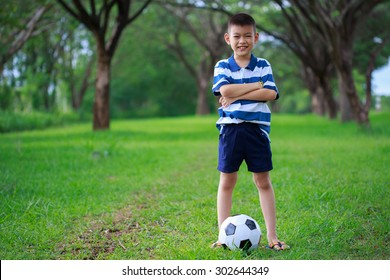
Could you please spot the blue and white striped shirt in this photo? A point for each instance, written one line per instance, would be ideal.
(226, 72)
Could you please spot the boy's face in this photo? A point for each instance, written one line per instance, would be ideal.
(242, 39)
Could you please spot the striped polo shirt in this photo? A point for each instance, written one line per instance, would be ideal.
(226, 72)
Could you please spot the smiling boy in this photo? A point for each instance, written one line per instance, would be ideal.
(245, 83)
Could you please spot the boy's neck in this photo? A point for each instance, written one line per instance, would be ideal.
(242, 61)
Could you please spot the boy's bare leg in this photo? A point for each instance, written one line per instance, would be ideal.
(227, 181)
(267, 202)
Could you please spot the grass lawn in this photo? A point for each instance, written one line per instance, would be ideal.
(147, 189)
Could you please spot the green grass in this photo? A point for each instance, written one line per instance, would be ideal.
(146, 189)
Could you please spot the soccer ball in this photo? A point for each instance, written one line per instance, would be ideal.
(240, 232)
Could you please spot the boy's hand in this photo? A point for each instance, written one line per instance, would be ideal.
(226, 101)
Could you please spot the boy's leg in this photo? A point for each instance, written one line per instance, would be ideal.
(267, 202)
(227, 181)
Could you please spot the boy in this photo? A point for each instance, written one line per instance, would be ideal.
(245, 83)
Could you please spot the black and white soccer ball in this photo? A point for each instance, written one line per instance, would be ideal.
(240, 232)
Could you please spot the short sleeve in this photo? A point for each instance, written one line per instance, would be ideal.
(268, 79)
(221, 77)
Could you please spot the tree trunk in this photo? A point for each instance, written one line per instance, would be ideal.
(322, 101)
(78, 95)
(101, 106)
(330, 103)
(204, 73)
(351, 107)
(316, 93)
(345, 106)
(202, 106)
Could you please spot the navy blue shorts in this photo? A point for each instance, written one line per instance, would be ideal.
(244, 141)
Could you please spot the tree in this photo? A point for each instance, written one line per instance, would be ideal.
(372, 48)
(76, 62)
(336, 22)
(32, 72)
(107, 32)
(307, 46)
(207, 30)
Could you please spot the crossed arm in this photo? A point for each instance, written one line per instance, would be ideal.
(251, 91)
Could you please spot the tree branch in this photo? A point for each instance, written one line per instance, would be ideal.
(20, 37)
(139, 12)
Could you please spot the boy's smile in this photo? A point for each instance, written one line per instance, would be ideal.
(241, 39)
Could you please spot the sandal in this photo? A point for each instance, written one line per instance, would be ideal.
(216, 244)
(278, 246)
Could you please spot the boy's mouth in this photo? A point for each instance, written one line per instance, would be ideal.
(242, 48)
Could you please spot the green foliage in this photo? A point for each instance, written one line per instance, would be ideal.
(147, 79)
(146, 189)
(294, 98)
(31, 79)
(370, 35)
(10, 121)
(384, 102)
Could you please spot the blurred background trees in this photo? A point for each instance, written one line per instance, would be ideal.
(323, 54)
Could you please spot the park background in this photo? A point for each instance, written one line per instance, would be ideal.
(108, 145)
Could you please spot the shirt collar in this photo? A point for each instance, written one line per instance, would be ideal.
(234, 66)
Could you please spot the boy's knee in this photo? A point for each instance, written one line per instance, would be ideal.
(262, 181)
(226, 187)
(227, 181)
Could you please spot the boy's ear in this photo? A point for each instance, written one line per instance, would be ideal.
(227, 38)
(257, 36)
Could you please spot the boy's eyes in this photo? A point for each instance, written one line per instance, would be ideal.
(246, 36)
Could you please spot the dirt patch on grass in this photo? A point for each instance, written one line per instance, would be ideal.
(104, 235)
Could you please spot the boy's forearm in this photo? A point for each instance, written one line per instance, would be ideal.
(256, 95)
(263, 94)
(237, 90)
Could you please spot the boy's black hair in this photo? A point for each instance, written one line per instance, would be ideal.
(242, 19)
